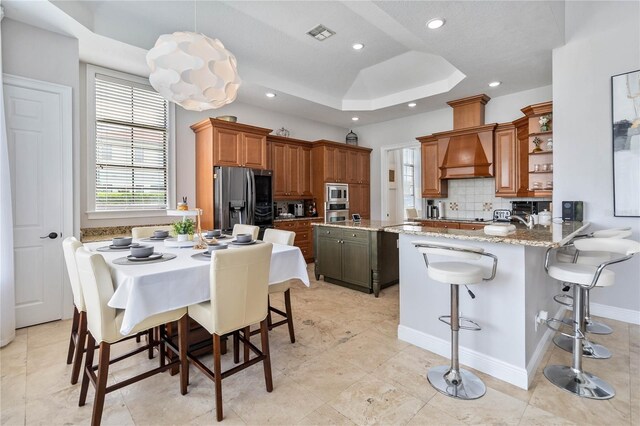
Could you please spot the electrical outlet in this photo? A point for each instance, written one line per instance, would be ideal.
(540, 317)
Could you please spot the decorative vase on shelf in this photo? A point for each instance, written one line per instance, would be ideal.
(537, 141)
(549, 144)
(545, 123)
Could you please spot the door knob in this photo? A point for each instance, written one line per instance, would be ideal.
(52, 235)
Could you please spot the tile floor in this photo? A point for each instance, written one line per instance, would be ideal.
(347, 367)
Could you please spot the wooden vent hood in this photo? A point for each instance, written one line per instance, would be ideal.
(469, 146)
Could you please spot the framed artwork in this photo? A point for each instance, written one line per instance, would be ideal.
(625, 112)
(392, 179)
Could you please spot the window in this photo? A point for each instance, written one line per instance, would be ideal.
(131, 136)
(408, 175)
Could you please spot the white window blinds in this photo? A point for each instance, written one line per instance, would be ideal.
(132, 138)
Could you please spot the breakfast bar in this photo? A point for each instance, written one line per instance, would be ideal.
(511, 344)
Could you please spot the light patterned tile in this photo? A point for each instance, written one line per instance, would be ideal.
(430, 415)
(326, 415)
(536, 417)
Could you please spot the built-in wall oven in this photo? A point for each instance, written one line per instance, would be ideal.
(337, 202)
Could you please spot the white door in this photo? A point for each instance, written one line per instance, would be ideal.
(37, 118)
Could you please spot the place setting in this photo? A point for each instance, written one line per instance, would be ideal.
(119, 244)
(141, 254)
(211, 247)
(158, 235)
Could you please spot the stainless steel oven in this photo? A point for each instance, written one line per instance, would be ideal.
(337, 193)
(336, 216)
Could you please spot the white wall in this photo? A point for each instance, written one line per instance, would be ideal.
(42, 55)
(602, 40)
(405, 130)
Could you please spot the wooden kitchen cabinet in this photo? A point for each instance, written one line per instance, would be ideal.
(360, 259)
(222, 143)
(334, 162)
(432, 185)
(304, 234)
(510, 159)
(291, 165)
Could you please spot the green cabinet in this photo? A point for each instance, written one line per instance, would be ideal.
(353, 257)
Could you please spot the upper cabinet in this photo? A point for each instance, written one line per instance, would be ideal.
(433, 186)
(291, 165)
(221, 143)
(538, 140)
(510, 160)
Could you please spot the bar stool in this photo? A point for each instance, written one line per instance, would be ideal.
(451, 380)
(594, 258)
(584, 277)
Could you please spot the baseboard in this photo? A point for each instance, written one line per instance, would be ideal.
(619, 314)
(543, 346)
(517, 376)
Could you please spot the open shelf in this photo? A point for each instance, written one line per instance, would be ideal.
(533, 172)
(541, 153)
(541, 193)
(541, 133)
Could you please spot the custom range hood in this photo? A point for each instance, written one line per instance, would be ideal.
(468, 148)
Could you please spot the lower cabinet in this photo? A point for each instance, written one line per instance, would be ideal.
(359, 259)
(304, 234)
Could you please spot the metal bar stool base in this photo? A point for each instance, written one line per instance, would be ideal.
(589, 350)
(469, 386)
(593, 327)
(580, 383)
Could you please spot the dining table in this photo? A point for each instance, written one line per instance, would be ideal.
(144, 288)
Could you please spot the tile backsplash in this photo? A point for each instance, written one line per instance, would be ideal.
(474, 198)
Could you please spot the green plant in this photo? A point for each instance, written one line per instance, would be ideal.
(185, 226)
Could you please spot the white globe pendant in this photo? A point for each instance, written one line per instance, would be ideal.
(193, 70)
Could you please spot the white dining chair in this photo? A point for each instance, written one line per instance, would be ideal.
(103, 324)
(246, 229)
(286, 238)
(140, 232)
(239, 281)
(79, 323)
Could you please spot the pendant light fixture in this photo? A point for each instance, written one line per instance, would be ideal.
(193, 70)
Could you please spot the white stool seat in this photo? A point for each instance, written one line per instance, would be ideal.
(581, 274)
(593, 258)
(455, 272)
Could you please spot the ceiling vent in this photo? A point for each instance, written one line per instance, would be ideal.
(321, 33)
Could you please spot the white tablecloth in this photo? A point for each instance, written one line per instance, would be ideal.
(147, 289)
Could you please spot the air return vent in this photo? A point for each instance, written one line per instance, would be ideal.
(321, 33)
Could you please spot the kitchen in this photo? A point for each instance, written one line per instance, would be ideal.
(571, 105)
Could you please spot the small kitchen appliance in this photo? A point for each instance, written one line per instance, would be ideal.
(572, 211)
(336, 207)
(298, 210)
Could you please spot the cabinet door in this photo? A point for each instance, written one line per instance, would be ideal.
(329, 164)
(505, 166)
(305, 172)
(279, 167)
(330, 257)
(227, 147)
(340, 165)
(254, 149)
(366, 201)
(293, 164)
(355, 199)
(353, 171)
(356, 268)
(431, 183)
(363, 167)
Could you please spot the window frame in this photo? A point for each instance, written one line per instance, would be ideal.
(91, 212)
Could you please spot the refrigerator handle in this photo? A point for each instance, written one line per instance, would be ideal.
(249, 211)
(253, 198)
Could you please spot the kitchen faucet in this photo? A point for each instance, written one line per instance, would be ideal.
(529, 223)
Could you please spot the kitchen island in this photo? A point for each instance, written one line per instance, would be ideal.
(510, 345)
(357, 255)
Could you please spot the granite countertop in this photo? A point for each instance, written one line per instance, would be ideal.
(288, 219)
(539, 236)
(369, 225)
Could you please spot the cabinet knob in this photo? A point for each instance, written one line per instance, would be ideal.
(353, 235)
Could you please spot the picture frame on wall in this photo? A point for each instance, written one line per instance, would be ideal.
(625, 113)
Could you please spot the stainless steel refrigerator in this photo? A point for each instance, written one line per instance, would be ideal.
(244, 196)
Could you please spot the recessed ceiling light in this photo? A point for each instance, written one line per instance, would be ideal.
(357, 46)
(435, 23)
(355, 118)
(270, 95)
(495, 83)
(411, 105)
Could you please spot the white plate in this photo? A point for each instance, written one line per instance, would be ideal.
(154, 256)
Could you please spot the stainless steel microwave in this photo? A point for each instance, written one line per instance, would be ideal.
(337, 193)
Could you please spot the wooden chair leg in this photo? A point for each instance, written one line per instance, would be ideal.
(247, 337)
(150, 342)
(217, 372)
(287, 305)
(138, 338)
(73, 336)
(80, 347)
(183, 338)
(236, 347)
(163, 349)
(264, 334)
(88, 366)
(101, 383)
(269, 320)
